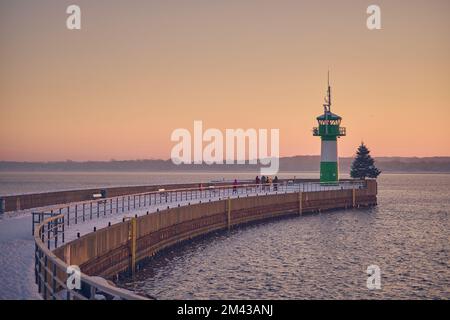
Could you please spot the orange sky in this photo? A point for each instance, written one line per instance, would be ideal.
(140, 69)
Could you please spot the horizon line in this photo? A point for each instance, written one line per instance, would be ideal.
(160, 159)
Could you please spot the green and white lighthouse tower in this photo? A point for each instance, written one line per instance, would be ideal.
(329, 131)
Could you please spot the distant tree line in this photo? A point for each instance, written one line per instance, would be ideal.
(287, 164)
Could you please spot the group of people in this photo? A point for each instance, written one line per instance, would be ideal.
(267, 181)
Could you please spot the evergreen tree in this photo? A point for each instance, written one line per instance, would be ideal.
(363, 165)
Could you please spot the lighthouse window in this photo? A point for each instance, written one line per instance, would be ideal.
(329, 122)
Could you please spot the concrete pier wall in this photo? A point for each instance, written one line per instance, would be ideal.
(117, 248)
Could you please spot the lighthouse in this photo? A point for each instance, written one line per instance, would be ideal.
(329, 131)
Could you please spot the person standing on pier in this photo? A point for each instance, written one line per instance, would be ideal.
(257, 182)
(275, 183)
(235, 183)
(263, 182)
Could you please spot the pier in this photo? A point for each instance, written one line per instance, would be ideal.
(108, 236)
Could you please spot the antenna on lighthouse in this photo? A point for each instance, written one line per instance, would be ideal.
(327, 105)
(329, 92)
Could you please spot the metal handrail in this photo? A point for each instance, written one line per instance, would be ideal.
(90, 209)
(47, 278)
(342, 131)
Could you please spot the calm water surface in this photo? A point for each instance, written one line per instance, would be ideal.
(321, 256)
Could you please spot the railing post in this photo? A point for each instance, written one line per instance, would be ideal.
(32, 222)
(300, 203)
(92, 292)
(45, 278)
(48, 235)
(2, 205)
(54, 281)
(55, 232)
(229, 213)
(39, 256)
(36, 252)
(354, 197)
(132, 237)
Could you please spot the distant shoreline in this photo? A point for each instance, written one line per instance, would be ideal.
(307, 164)
(195, 172)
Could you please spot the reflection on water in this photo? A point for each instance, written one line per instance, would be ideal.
(322, 256)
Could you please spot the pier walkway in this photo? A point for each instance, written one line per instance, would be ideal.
(81, 218)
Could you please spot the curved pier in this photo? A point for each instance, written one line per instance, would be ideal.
(162, 219)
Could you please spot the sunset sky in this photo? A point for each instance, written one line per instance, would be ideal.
(140, 69)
